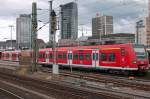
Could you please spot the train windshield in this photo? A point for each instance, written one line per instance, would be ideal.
(140, 52)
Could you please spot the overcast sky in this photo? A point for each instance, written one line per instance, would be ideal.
(125, 13)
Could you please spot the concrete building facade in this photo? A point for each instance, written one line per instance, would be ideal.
(144, 30)
(23, 30)
(117, 38)
(69, 21)
(148, 24)
(102, 25)
(141, 31)
(5, 45)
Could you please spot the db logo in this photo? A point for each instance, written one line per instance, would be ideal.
(81, 62)
(122, 59)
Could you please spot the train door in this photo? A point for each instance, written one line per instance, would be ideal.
(95, 60)
(69, 57)
(123, 59)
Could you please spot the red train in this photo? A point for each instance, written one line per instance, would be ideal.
(122, 57)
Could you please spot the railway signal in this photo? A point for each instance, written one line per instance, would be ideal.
(53, 22)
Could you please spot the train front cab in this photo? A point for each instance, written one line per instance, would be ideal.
(141, 58)
(111, 58)
(117, 58)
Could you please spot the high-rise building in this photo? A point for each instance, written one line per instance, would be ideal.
(148, 24)
(143, 30)
(23, 30)
(102, 25)
(69, 21)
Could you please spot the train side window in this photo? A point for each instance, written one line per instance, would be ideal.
(64, 55)
(70, 56)
(44, 55)
(103, 57)
(75, 56)
(7, 55)
(88, 56)
(60, 56)
(81, 56)
(41, 56)
(112, 57)
(13, 55)
(50, 55)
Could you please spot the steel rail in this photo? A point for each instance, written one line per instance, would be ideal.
(11, 93)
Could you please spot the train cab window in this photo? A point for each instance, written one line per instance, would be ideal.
(88, 56)
(112, 57)
(103, 57)
(81, 56)
(70, 56)
(64, 55)
(75, 56)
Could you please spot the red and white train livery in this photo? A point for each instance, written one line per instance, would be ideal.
(124, 57)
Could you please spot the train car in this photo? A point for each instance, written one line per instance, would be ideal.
(10, 56)
(124, 57)
(120, 57)
(6, 56)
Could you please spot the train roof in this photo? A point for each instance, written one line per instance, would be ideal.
(81, 47)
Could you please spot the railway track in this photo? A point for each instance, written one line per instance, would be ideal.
(77, 93)
(115, 80)
(57, 89)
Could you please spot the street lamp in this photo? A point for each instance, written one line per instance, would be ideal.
(100, 35)
(82, 29)
(11, 28)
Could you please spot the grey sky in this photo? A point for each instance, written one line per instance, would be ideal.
(125, 13)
